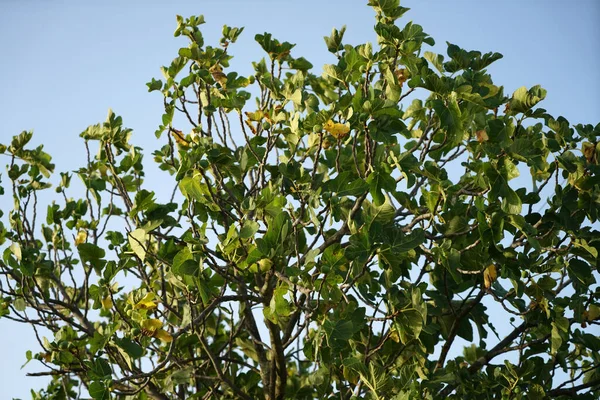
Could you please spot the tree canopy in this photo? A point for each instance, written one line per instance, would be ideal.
(395, 227)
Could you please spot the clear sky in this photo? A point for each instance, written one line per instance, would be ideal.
(64, 63)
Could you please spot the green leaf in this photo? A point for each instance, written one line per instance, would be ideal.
(403, 243)
(383, 214)
(29, 357)
(524, 100)
(99, 369)
(410, 322)
(248, 229)
(511, 203)
(191, 188)
(450, 119)
(296, 97)
(359, 248)
(333, 257)
(555, 339)
(99, 391)
(19, 304)
(334, 42)
(581, 272)
(184, 263)
(181, 376)
(343, 185)
(276, 235)
(132, 348)
(301, 64)
(437, 60)
(155, 84)
(536, 392)
(338, 330)
(279, 305)
(379, 182)
(91, 253)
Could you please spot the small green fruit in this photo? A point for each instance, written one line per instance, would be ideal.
(265, 264)
(197, 247)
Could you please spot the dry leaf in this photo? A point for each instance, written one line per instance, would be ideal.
(482, 136)
(217, 73)
(401, 75)
(589, 152)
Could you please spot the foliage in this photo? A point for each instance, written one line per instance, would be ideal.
(326, 240)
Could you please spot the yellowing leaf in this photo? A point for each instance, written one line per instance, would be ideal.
(489, 276)
(394, 335)
(482, 136)
(217, 73)
(107, 303)
(337, 130)
(147, 303)
(594, 313)
(265, 264)
(402, 76)
(137, 241)
(163, 335)
(249, 124)
(255, 116)
(179, 138)
(81, 237)
(589, 152)
(151, 325)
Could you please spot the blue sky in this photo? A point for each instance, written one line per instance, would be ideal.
(65, 63)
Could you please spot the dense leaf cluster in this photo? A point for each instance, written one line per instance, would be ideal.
(328, 236)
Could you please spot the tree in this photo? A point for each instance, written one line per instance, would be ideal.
(325, 241)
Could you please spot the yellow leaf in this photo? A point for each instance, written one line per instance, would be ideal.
(81, 237)
(489, 276)
(107, 303)
(337, 130)
(147, 303)
(482, 136)
(163, 335)
(255, 116)
(151, 325)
